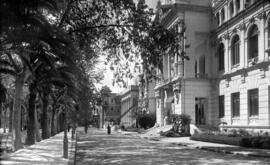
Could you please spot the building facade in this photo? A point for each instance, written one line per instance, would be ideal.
(129, 106)
(185, 87)
(227, 79)
(111, 108)
(147, 100)
(242, 52)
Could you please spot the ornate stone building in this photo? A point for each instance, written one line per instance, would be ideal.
(186, 85)
(242, 55)
(227, 79)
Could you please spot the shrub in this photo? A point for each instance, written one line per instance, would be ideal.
(256, 142)
(146, 120)
(180, 122)
(171, 133)
(223, 139)
(243, 132)
(245, 142)
(265, 143)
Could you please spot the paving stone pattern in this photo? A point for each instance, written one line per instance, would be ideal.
(97, 147)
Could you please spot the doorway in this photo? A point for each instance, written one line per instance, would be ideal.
(200, 107)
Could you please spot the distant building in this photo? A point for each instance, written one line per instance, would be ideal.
(129, 106)
(147, 100)
(111, 108)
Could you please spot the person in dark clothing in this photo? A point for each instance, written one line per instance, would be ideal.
(85, 128)
(109, 129)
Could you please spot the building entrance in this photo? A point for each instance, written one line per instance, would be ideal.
(200, 106)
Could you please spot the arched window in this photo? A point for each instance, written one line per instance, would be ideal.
(253, 42)
(231, 9)
(235, 50)
(221, 57)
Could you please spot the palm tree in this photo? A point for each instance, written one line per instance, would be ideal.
(23, 26)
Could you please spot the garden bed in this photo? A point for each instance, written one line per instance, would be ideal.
(171, 133)
(222, 139)
(261, 142)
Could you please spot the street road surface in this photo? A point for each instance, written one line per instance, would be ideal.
(97, 147)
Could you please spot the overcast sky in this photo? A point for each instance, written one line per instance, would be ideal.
(152, 3)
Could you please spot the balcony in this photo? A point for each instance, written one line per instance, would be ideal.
(169, 2)
(201, 75)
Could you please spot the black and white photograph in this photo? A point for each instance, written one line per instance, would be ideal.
(135, 82)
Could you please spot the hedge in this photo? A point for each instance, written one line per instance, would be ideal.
(222, 139)
(261, 142)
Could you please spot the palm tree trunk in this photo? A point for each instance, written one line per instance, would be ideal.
(53, 120)
(5, 120)
(38, 137)
(44, 121)
(17, 137)
(10, 125)
(31, 124)
(1, 111)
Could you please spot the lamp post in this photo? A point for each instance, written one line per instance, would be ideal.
(65, 140)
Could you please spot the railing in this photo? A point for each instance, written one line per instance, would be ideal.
(132, 107)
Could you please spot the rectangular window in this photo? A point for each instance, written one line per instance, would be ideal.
(235, 104)
(253, 101)
(221, 106)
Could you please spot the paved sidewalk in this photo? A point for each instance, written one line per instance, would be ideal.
(223, 148)
(49, 151)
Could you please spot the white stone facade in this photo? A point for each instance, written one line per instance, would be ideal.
(251, 72)
(129, 106)
(226, 71)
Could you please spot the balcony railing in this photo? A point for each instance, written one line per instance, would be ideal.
(168, 2)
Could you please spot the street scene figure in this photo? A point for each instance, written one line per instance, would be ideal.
(85, 128)
(108, 129)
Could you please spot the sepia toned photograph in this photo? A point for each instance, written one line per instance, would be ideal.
(135, 82)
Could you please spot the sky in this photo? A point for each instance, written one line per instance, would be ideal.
(108, 74)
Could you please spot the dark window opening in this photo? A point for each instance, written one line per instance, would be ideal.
(222, 15)
(217, 18)
(235, 104)
(231, 9)
(235, 49)
(253, 42)
(221, 106)
(268, 29)
(237, 3)
(253, 102)
(221, 57)
(196, 69)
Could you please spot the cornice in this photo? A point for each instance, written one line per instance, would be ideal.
(180, 8)
(261, 65)
(239, 17)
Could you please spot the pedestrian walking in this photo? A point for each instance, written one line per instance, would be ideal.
(109, 129)
(85, 128)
